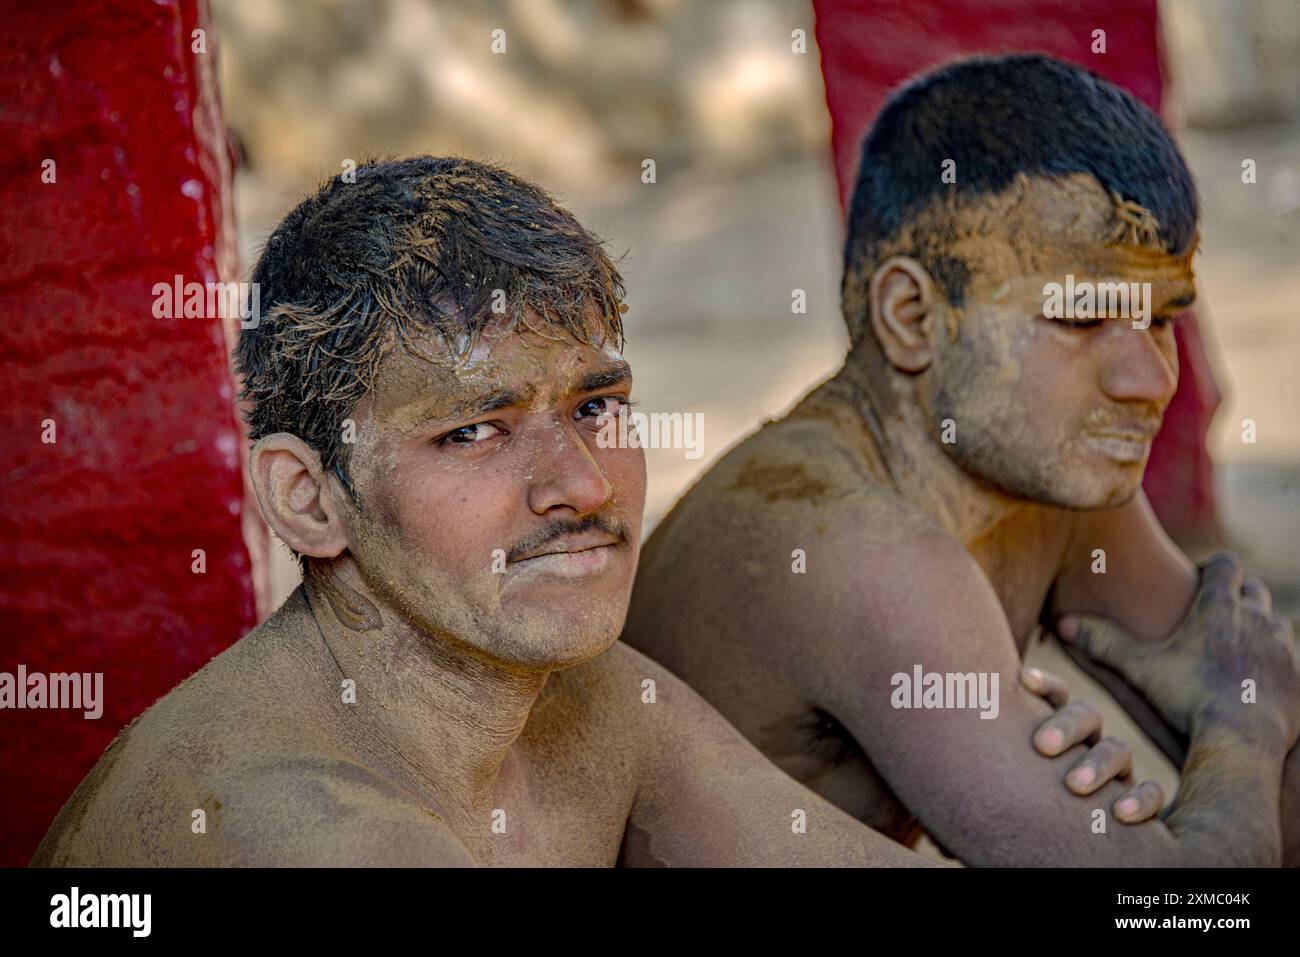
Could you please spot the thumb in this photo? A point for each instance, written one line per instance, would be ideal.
(1106, 642)
(1221, 582)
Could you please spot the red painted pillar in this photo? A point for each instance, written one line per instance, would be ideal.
(121, 453)
(868, 47)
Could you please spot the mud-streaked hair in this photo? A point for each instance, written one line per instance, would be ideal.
(419, 246)
(999, 118)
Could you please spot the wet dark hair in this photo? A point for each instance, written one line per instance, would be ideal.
(998, 118)
(413, 246)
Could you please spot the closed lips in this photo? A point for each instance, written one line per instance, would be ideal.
(571, 545)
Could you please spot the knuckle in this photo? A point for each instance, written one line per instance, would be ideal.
(1223, 564)
(1071, 714)
(1115, 746)
(1087, 711)
(1221, 578)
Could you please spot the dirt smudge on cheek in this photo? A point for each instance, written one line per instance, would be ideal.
(979, 378)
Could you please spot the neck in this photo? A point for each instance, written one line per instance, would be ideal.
(429, 709)
(967, 507)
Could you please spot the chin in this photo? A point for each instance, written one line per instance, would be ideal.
(557, 650)
(1104, 491)
(1076, 483)
(555, 633)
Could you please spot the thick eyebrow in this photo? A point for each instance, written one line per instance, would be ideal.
(615, 374)
(475, 406)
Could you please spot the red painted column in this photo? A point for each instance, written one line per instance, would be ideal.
(121, 452)
(868, 47)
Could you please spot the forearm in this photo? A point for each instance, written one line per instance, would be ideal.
(1228, 809)
(1226, 814)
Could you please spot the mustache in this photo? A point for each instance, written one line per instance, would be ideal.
(1102, 417)
(564, 527)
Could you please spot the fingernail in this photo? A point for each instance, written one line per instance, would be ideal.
(1127, 807)
(1067, 628)
(1083, 777)
(1034, 675)
(1051, 739)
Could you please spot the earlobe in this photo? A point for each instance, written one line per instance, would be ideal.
(902, 300)
(296, 497)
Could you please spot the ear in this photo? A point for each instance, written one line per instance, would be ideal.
(296, 496)
(902, 299)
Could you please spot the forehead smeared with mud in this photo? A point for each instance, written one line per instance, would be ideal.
(1046, 227)
(425, 246)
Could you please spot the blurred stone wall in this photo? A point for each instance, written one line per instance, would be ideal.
(1234, 62)
(580, 92)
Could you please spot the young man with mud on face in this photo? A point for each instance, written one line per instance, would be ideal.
(955, 483)
(442, 687)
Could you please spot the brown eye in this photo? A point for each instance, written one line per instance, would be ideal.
(608, 405)
(469, 434)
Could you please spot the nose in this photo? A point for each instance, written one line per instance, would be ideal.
(1137, 369)
(565, 474)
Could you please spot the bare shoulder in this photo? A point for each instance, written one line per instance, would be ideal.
(798, 461)
(793, 521)
(236, 765)
(811, 480)
(125, 811)
(262, 809)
